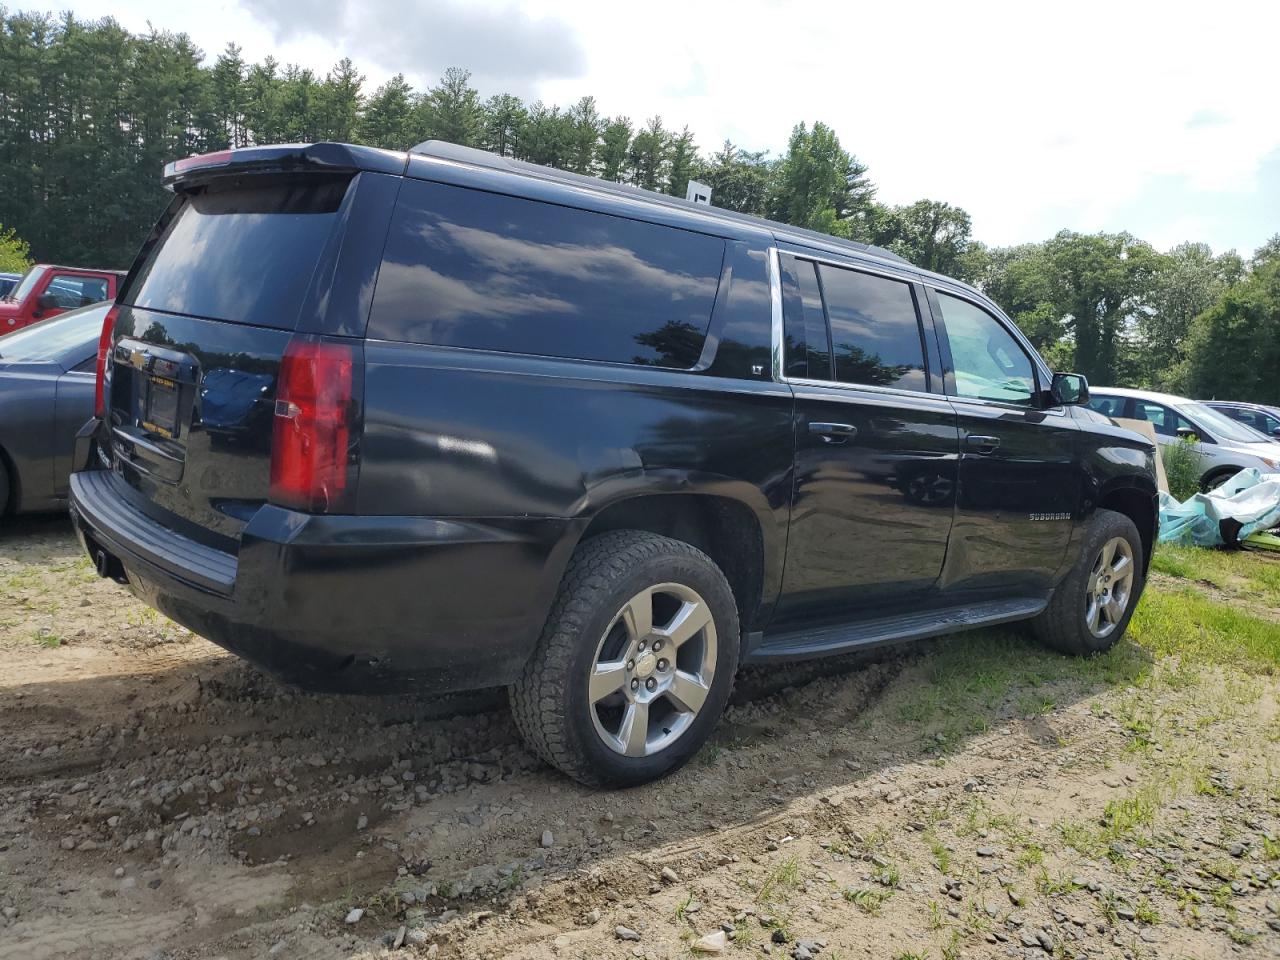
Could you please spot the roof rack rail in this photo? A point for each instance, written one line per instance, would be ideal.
(443, 150)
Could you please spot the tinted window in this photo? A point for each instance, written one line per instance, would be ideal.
(808, 350)
(875, 333)
(241, 253)
(71, 292)
(1163, 420)
(989, 363)
(1107, 406)
(1260, 421)
(464, 268)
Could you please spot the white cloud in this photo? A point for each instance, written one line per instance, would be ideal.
(1032, 117)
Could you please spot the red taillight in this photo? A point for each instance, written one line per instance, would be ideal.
(312, 432)
(104, 348)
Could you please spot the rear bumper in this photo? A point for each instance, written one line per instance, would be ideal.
(343, 602)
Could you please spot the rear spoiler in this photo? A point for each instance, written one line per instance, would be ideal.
(282, 158)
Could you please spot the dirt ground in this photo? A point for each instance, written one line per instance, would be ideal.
(969, 797)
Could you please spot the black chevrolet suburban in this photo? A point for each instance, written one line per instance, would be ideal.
(445, 420)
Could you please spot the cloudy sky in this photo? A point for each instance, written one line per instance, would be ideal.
(1159, 118)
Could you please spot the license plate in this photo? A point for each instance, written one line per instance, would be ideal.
(161, 409)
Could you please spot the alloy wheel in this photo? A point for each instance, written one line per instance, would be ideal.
(1110, 587)
(653, 670)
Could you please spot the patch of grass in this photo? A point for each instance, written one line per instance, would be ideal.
(1145, 912)
(941, 855)
(1270, 848)
(867, 900)
(1036, 704)
(1233, 571)
(1031, 855)
(1054, 886)
(1121, 818)
(683, 908)
(935, 916)
(1186, 624)
(50, 641)
(782, 881)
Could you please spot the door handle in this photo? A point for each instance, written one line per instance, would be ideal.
(834, 432)
(983, 445)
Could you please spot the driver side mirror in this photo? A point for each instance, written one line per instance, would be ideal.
(1275, 431)
(1186, 433)
(1069, 389)
(46, 301)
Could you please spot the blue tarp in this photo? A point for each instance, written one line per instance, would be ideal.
(1247, 503)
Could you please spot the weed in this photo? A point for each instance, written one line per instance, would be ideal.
(935, 916)
(784, 879)
(867, 900)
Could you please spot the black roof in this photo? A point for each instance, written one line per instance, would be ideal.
(443, 150)
(333, 157)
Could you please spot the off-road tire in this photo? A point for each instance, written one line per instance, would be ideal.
(1062, 625)
(550, 700)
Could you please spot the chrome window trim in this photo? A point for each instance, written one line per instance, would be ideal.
(775, 305)
(779, 358)
(902, 276)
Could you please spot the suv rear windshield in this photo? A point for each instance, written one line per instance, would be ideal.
(243, 251)
(465, 268)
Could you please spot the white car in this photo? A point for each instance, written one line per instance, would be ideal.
(1226, 446)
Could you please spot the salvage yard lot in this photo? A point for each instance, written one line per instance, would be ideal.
(969, 797)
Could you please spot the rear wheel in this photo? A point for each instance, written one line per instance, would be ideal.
(1213, 481)
(635, 663)
(1091, 608)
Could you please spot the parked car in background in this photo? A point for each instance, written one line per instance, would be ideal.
(46, 395)
(592, 443)
(1226, 446)
(1264, 419)
(46, 290)
(7, 282)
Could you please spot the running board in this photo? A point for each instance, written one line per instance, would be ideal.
(843, 637)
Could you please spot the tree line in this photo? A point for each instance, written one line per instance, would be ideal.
(90, 112)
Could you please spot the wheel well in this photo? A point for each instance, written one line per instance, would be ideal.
(725, 530)
(1208, 475)
(1138, 507)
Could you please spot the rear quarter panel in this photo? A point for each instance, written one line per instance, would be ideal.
(27, 435)
(459, 433)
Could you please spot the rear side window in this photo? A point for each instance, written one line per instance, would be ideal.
(465, 268)
(243, 251)
(808, 350)
(875, 330)
(1107, 406)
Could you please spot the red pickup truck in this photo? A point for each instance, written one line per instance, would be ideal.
(47, 290)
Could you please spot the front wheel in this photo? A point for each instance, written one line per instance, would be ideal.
(1090, 609)
(635, 663)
